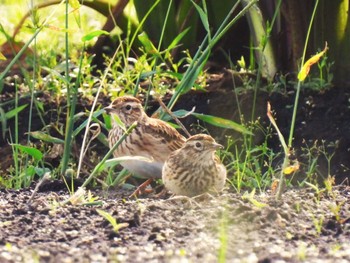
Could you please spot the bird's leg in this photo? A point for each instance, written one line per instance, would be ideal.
(141, 188)
(190, 200)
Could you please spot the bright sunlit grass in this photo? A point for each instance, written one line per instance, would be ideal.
(51, 38)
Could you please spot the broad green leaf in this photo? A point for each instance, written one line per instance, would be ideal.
(45, 137)
(12, 113)
(147, 43)
(223, 123)
(94, 34)
(35, 153)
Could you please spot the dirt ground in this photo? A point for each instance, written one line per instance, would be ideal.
(303, 226)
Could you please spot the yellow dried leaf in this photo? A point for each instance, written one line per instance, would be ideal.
(291, 169)
(274, 186)
(306, 67)
(2, 57)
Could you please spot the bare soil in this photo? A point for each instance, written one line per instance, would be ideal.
(302, 226)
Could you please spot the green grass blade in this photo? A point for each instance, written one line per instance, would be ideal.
(39, 135)
(12, 113)
(94, 34)
(223, 123)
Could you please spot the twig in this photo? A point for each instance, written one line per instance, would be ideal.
(36, 189)
(172, 115)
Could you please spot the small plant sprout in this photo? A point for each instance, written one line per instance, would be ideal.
(319, 192)
(250, 197)
(83, 197)
(335, 209)
(112, 220)
(318, 223)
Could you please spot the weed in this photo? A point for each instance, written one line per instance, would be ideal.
(112, 220)
(318, 223)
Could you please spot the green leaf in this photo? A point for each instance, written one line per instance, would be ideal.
(203, 16)
(111, 220)
(35, 153)
(223, 123)
(45, 137)
(3, 122)
(30, 171)
(107, 216)
(119, 122)
(94, 34)
(12, 113)
(41, 171)
(177, 39)
(107, 121)
(147, 43)
(188, 82)
(56, 73)
(83, 125)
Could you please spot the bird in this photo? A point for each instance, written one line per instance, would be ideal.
(195, 169)
(151, 138)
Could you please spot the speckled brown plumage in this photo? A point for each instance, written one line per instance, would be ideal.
(194, 169)
(152, 138)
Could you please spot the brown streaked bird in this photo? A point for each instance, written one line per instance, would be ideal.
(194, 169)
(152, 138)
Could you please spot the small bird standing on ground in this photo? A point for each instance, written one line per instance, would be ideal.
(152, 138)
(194, 169)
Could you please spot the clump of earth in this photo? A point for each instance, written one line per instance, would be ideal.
(303, 226)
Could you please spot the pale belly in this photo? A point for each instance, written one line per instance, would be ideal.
(144, 169)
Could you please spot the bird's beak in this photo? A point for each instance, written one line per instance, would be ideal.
(217, 146)
(109, 109)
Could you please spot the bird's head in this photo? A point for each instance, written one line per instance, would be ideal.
(128, 109)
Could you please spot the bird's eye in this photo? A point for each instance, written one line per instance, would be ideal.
(198, 145)
(128, 107)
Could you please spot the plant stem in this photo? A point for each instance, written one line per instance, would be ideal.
(286, 160)
(201, 55)
(67, 141)
(291, 131)
(81, 156)
(98, 166)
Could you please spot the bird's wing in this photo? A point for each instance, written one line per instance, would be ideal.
(165, 133)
